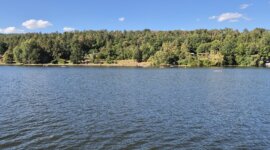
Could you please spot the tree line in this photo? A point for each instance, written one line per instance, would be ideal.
(193, 48)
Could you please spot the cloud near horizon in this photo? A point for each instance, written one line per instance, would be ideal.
(10, 30)
(68, 29)
(36, 24)
(122, 19)
(245, 6)
(230, 16)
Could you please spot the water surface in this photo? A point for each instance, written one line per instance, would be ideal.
(131, 108)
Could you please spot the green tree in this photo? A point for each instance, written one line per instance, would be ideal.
(228, 50)
(204, 48)
(18, 54)
(138, 56)
(76, 53)
(3, 47)
(8, 57)
(30, 52)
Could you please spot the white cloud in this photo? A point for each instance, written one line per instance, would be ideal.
(235, 20)
(122, 19)
(212, 17)
(231, 17)
(10, 30)
(36, 24)
(245, 6)
(68, 29)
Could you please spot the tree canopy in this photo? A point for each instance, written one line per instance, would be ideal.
(194, 48)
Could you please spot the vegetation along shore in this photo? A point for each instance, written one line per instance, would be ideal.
(225, 47)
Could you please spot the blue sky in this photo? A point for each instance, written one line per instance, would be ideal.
(57, 15)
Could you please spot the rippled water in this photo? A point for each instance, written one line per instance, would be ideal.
(125, 108)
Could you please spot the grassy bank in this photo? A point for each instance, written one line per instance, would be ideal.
(121, 63)
(139, 65)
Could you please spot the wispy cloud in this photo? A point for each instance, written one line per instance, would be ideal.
(10, 30)
(229, 16)
(245, 6)
(121, 19)
(36, 24)
(68, 29)
(212, 17)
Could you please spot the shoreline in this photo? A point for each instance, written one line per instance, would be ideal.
(78, 65)
(139, 65)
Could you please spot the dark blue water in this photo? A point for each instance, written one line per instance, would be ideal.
(121, 108)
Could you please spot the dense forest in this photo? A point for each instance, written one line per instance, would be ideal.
(192, 48)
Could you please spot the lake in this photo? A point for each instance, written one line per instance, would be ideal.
(133, 108)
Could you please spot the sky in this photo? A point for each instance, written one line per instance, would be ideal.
(23, 16)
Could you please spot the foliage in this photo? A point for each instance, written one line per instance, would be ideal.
(30, 52)
(3, 47)
(192, 48)
(8, 57)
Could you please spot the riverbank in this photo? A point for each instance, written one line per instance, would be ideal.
(118, 64)
(126, 66)
(123, 63)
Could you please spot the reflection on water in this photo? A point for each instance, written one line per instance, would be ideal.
(121, 108)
